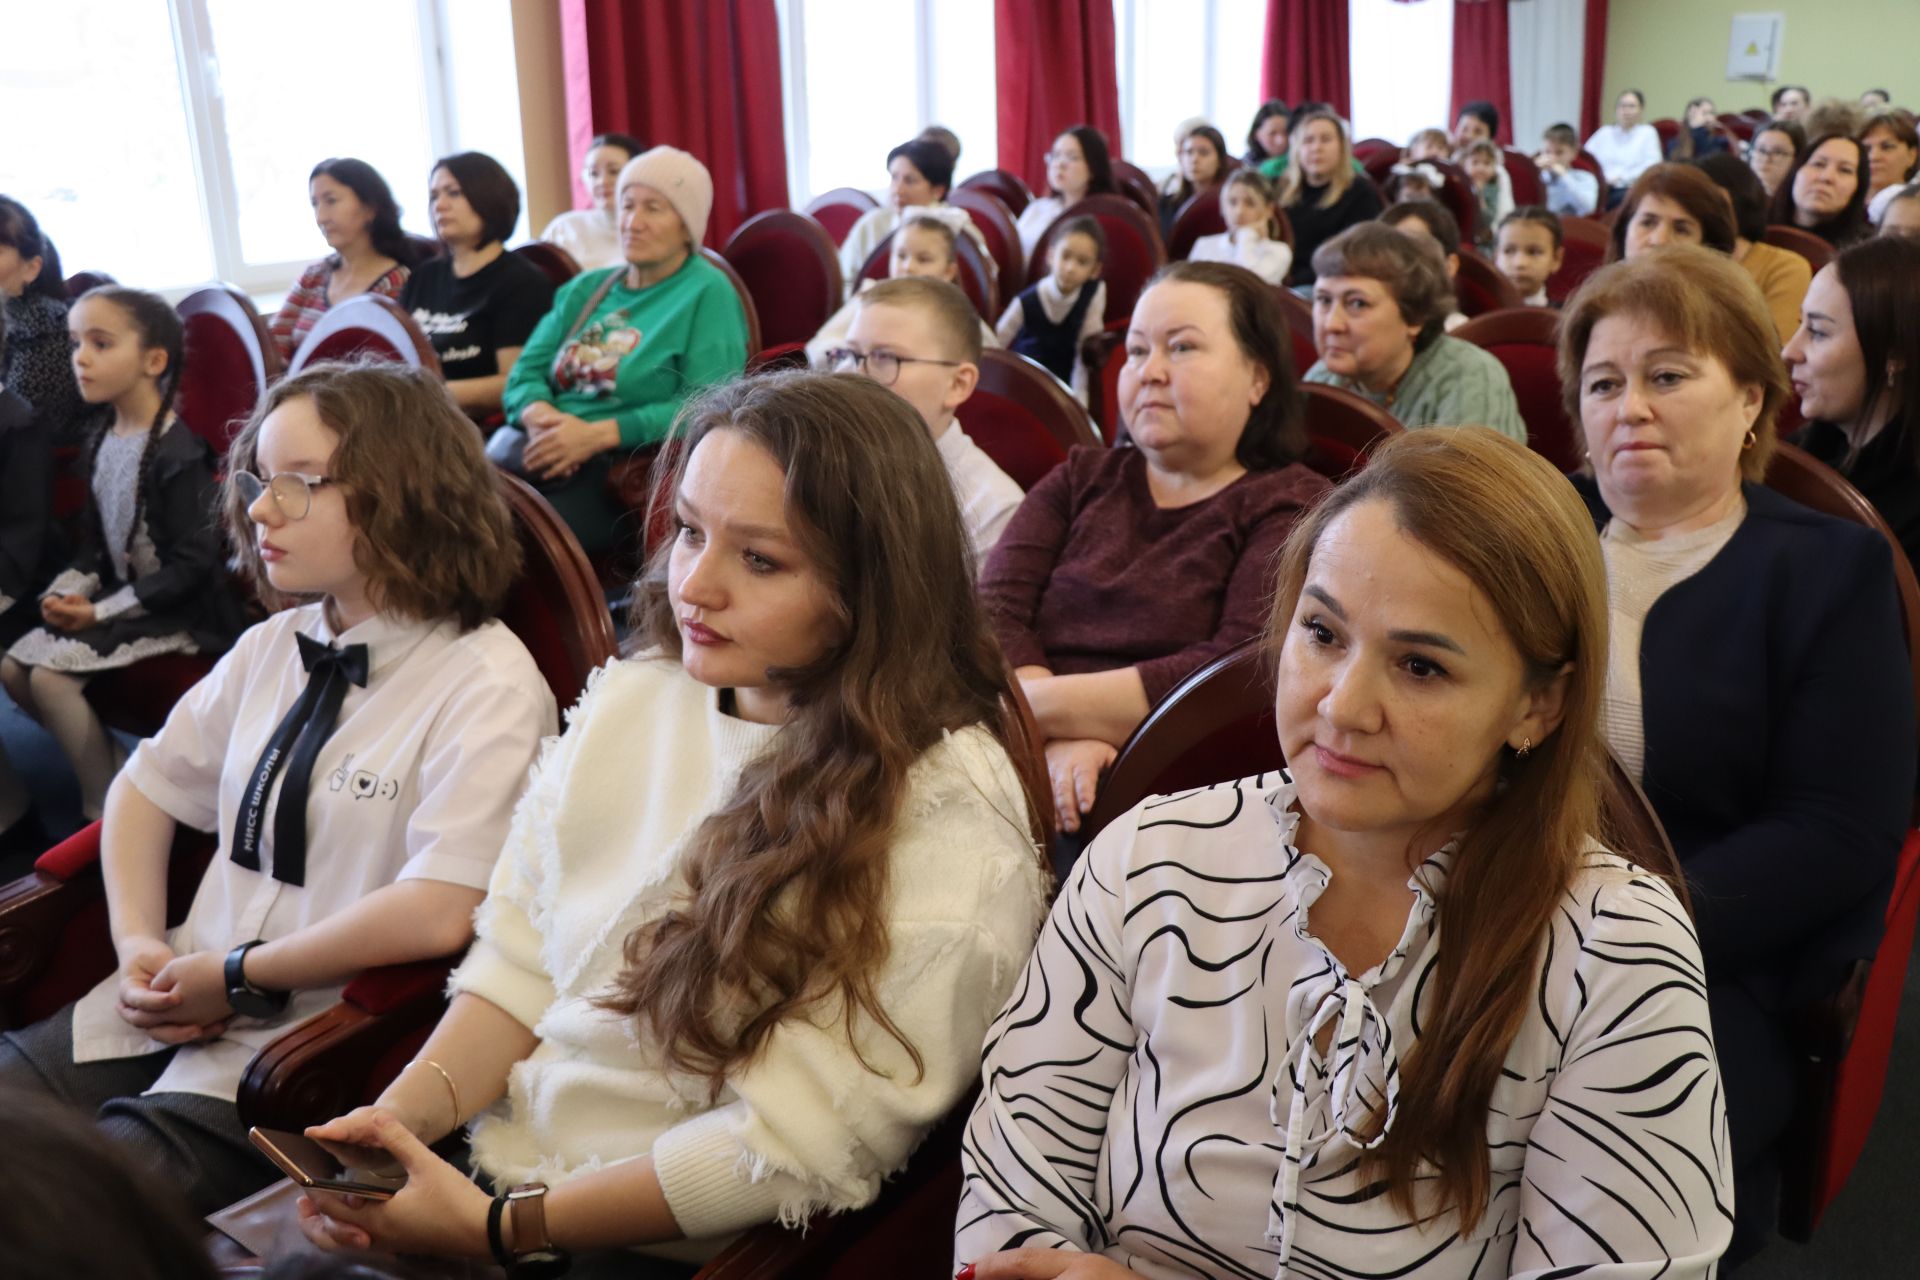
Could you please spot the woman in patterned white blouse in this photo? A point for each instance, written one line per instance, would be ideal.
(1392, 1013)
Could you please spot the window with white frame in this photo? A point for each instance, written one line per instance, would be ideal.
(1401, 63)
(168, 144)
(1185, 58)
(860, 79)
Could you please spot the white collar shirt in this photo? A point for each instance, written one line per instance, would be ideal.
(418, 780)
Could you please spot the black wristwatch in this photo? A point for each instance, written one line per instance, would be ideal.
(248, 1000)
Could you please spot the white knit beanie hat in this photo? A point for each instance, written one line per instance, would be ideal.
(683, 180)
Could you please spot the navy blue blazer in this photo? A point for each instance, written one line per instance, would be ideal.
(1779, 714)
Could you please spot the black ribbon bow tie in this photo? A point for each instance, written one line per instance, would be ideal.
(296, 744)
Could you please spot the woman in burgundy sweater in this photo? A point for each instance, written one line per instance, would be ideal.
(1127, 569)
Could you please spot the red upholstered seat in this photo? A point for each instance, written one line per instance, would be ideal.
(837, 210)
(1524, 174)
(1133, 182)
(1011, 189)
(1586, 242)
(230, 360)
(1342, 428)
(792, 270)
(1023, 417)
(978, 276)
(1456, 196)
(366, 326)
(1524, 340)
(1377, 156)
(1816, 251)
(1199, 216)
(1740, 127)
(995, 222)
(1585, 162)
(1668, 129)
(555, 263)
(1480, 288)
(1847, 1040)
(1134, 251)
(81, 281)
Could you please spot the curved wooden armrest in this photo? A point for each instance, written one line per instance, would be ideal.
(339, 1059)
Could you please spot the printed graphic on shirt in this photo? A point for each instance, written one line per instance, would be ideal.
(437, 323)
(590, 364)
(362, 784)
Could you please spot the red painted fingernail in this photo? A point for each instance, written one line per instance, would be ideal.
(966, 1273)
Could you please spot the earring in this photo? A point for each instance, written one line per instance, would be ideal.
(1750, 441)
(1525, 748)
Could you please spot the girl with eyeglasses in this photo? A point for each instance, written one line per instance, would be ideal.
(147, 578)
(358, 755)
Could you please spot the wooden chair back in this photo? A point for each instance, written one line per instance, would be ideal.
(1023, 417)
(1525, 340)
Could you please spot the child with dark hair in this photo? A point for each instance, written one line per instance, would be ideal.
(356, 213)
(1252, 238)
(34, 292)
(919, 176)
(1429, 223)
(1492, 189)
(1065, 307)
(476, 302)
(1571, 192)
(591, 236)
(1529, 246)
(149, 577)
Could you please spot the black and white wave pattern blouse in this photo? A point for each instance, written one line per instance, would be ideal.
(1153, 1091)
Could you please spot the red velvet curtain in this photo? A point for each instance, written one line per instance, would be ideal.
(1304, 58)
(1056, 69)
(1593, 69)
(702, 75)
(1480, 68)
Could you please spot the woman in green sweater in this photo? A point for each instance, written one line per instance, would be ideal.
(1380, 305)
(609, 367)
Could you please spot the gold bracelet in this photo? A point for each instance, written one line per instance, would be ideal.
(452, 1088)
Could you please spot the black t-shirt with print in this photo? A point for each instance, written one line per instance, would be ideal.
(469, 320)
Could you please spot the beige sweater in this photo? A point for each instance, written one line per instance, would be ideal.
(594, 852)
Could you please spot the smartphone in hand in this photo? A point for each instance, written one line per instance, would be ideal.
(332, 1166)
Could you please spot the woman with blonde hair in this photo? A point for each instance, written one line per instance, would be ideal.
(1319, 189)
(764, 895)
(1385, 1011)
(1745, 627)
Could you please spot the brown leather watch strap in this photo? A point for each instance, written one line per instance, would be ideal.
(527, 1217)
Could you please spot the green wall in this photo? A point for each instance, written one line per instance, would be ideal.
(1676, 51)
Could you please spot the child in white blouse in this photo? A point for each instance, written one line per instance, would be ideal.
(924, 247)
(1392, 1009)
(396, 717)
(1252, 238)
(762, 898)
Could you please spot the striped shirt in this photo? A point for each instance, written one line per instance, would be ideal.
(1153, 1091)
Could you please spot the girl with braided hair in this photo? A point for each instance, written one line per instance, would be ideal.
(149, 576)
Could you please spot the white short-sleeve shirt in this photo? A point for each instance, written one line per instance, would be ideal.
(417, 781)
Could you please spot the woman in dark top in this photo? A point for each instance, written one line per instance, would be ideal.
(1855, 364)
(1203, 162)
(1758, 684)
(26, 493)
(1321, 193)
(1125, 570)
(35, 365)
(477, 302)
(1826, 193)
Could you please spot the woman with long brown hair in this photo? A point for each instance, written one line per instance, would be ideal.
(763, 897)
(1392, 1011)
